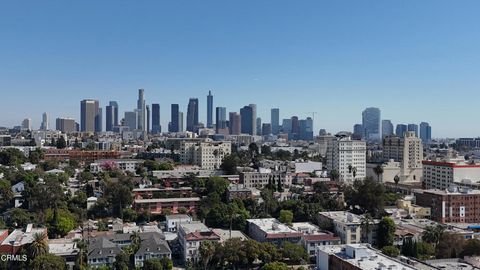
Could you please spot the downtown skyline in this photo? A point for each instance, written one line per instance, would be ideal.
(311, 57)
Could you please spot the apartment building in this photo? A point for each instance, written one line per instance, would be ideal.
(208, 155)
(347, 157)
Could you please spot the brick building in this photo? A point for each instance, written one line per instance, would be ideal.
(452, 205)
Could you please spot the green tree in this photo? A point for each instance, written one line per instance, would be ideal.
(378, 171)
(11, 157)
(6, 194)
(385, 232)
(286, 216)
(152, 264)
(207, 250)
(269, 253)
(449, 246)
(230, 163)
(39, 245)
(19, 218)
(81, 260)
(334, 175)
(85, 176)
(59, 222)
(471, 248)
(48, 261)
(36, 156)
(391, 251)
(121, 261)
(275, 266)
(433, 234)
(366, 224)
(294, 253)
(368, 194)
(61, 143)
(425, 250)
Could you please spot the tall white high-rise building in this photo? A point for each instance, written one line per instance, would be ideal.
(347, 157)
(44, 125)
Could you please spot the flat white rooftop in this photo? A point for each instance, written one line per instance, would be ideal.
(342, 216)
(364, 257)
(271, 225)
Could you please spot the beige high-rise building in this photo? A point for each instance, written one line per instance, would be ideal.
(407, 150)
(208, 155)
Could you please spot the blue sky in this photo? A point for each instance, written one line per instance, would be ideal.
(415, 60)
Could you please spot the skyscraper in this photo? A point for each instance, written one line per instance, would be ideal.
(141, 109)
(220, 119)
(387, 128)
(287, 126)
(209, 110)
(131, 119)
(266, 129)
(65, 125)
(294, 134)
(44, 125)
(192, 115)
(371, 123)
(180, 122)
(111, 116)
(358, 132)
(275, 120)
(99, 120)
(247, 122)
(27, 124)
(401, 130)
(413, 128)
(425, 132)
(90, 116)
(147, 110)
(234, 121)
(259, 126)
(156, 127)
(254, 118)
(174, 117)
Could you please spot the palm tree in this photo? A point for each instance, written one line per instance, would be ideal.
(366, 225)
(334, 175)
(82, 254)
(136, 241)
(378, 171)
(39, 246)
(207, 250)
(396, 179)
(433, 234)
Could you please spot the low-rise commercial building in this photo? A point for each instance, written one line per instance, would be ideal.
(348, 227)
(173, 221)
(271, 230)
(356, 257)
(263, 177)
(314, 237)
(164, 205)
(442, 174)
(125, 165)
